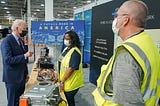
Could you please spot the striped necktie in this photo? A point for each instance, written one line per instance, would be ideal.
(21, 44)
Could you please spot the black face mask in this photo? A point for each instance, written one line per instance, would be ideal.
(24, 32)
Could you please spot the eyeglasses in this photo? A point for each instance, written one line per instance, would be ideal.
(116, 15)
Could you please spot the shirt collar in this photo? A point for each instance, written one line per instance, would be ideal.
(135, 34)
(15, 36)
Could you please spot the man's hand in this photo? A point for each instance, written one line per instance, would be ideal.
(28, 54)
(27, 78)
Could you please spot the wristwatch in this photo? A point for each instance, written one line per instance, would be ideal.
(61, 82)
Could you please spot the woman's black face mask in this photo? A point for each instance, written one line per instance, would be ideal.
(24, 32)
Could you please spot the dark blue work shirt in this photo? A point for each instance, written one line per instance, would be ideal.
(74, 60)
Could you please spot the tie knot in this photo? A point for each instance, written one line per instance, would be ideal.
(20, 41)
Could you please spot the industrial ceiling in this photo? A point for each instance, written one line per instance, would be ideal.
(62, 9)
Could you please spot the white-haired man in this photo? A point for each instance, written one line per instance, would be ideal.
(14, 55)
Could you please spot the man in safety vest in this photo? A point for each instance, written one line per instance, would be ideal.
(132, 75)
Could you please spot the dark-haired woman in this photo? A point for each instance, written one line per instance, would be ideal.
(71, 75)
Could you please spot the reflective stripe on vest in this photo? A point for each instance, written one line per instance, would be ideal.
(158, 82)
(147, 93)
(64, 67)
(99, 89)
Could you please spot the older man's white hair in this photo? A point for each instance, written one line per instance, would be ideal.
(17, 23)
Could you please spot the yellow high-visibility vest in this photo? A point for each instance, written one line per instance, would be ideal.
(76, 80)
(146, 54)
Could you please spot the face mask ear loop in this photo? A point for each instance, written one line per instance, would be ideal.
(114, 28)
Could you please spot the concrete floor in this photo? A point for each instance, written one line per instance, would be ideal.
(82, 98)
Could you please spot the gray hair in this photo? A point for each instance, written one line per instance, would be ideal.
(139, 11)
(17, 23)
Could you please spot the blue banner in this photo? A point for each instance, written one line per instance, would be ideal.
(52, 32)
(78, 16)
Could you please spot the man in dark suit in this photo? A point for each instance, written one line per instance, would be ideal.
(14, 55)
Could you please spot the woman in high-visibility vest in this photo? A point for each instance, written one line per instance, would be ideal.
(71, 75)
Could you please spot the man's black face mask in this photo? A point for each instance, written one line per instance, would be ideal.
(24, 32)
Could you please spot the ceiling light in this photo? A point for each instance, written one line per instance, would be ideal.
(38, 10)
(10, 18)
(66, 2)
(34, 13)
(58, 15)
(5, 8)
(42, 5)
(64, 11)
(3, 2)
(74, 7)
(7, 12)
(89, 1)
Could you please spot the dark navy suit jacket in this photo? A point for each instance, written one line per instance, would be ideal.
(14, 63)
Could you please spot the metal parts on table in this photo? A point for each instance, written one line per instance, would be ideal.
(46, 67)
(43, 94)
